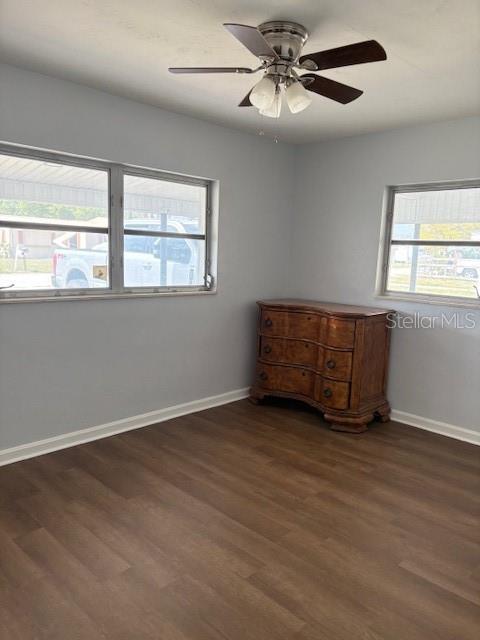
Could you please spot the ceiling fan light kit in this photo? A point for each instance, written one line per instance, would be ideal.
(263, 93)
(278, 45)
(297, 96)
(274, 109)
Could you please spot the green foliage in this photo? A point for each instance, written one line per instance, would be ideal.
(450, 231)
(44, 210)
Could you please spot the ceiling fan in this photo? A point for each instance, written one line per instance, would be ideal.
(278, 45)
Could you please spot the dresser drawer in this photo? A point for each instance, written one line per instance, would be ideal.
(331, 393)
(288, 351)
(288, 379)
(335, 364)
(339, 333)
(293, 325)
(274, 322)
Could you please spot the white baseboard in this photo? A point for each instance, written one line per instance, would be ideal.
(24, 451)
(32, 449)
(450, 430)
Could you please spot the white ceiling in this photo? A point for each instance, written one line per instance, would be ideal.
(125, 46)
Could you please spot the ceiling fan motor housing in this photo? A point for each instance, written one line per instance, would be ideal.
(286, 38)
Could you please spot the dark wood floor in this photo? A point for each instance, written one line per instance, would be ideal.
(243, 523)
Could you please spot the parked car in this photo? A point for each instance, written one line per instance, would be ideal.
(149, 261)
(468, 262)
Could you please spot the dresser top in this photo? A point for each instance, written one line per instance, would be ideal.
(325, 307)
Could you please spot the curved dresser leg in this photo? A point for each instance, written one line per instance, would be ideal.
(383, 413)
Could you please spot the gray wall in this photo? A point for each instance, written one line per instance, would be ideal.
(69, 365)
(336, 228)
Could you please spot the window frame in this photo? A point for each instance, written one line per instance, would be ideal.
(115, 231)
(387, 242)
(169, 177)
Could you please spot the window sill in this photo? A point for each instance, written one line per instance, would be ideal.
(107, 296)
(462, 303)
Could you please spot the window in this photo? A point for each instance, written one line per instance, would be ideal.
(51, 214)
(168, 220)
(76, 227)
(432, 247)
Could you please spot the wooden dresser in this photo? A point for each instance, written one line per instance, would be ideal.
(332, 356)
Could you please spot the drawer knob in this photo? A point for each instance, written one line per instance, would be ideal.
(268, 322)
(331, 364)
(267, 349)
(327, 393)
(263, 376)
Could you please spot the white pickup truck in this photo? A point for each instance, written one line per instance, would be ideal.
(467, 263)
(182, 264)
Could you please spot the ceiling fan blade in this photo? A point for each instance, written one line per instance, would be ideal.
(251, 38)
(359, 53)
(331, 89)
(210, 70)
(246, 101)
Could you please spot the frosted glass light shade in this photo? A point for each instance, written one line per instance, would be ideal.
(263, 93)
(297, 97)
(274, 109)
